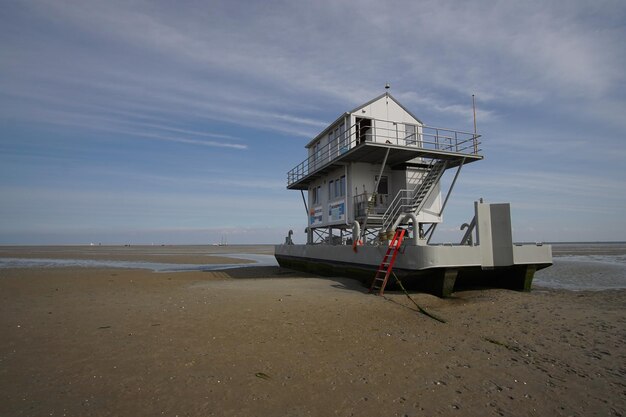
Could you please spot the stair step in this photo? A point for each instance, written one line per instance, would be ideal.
(418, 196)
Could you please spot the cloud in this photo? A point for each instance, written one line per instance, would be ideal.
(241, 77)
(574, 185)
(55, 208)
(190, 57)
(212, 180)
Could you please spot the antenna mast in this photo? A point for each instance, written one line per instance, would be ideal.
(474, 108)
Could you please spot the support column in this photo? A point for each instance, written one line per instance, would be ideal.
(440, 283)
(524, 277)
(449, 279)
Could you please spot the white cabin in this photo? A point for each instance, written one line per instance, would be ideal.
(345, 166)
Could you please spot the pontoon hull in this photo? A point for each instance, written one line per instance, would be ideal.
(438, 270)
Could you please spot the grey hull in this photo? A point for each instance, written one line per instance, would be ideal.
(439, 270)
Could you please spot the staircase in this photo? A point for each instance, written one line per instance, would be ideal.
(386, 266)
(412, 201)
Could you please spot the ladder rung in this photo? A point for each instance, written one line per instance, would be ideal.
(386, 266)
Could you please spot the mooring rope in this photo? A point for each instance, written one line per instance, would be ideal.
(420, 309)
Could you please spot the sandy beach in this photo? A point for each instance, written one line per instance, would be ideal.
(266, 341)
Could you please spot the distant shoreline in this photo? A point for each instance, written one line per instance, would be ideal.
(116, 245)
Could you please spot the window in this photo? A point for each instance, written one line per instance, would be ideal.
(383, 185)
(337, 188)
(331, 190)
(342, 186)
(316, 195)
(410, 134)
(363, 129)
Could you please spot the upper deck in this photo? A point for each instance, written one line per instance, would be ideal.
(369, 144)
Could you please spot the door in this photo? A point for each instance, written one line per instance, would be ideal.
(363, 130)
(382, 194)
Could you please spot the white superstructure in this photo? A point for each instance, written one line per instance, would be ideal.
(376, 171)
(368, 166)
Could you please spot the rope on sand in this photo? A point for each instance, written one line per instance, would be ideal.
(420, 309)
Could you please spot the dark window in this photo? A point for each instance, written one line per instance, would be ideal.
(363, 129)
(342, 185)
(383, 186)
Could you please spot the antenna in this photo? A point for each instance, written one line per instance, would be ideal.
(387, 87)
(475, 134)
(474, 108)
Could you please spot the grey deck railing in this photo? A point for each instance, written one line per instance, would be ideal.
(386, 132)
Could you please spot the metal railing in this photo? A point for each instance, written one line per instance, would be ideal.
(410, 200)
(378, 205)
(390, 133)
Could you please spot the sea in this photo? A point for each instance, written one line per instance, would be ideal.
(585, 266)
(257, 260)
(592, 266)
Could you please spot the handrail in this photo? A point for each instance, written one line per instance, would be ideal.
(387, 132)
(402, 201)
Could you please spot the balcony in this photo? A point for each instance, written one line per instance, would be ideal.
(369, 143)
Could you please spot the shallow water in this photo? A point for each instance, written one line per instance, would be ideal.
(259, 260)
(585, 266)
(577, 266)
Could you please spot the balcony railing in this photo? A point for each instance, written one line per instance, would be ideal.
(362, 201)
(386, 132)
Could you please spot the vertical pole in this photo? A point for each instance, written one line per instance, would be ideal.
(475, 132)
(305, 206)
(431, 229)
(474, 108)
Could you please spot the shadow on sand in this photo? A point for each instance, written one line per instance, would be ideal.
(277, 272)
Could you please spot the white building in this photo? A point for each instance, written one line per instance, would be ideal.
(375, 184)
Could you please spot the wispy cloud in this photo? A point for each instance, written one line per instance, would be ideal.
(548, 79)
(30, 208)
(509, 52)
(136, 129)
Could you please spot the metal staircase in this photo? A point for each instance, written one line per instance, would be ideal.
(412, 201)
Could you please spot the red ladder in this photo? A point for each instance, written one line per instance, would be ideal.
(386, 265)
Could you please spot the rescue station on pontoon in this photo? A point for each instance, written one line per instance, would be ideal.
(374, 199)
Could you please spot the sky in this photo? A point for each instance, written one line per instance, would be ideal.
(175, 122)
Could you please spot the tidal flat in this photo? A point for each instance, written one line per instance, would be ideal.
(266, 341)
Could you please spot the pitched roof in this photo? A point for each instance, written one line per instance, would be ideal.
(391, 97)
(323, 132)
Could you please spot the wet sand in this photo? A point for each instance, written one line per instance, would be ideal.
(266, 341)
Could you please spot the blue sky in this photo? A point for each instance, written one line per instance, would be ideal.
(176, 122)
